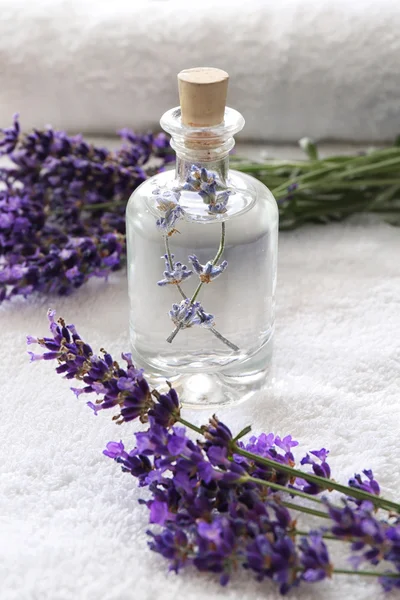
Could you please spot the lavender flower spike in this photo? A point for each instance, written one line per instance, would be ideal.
(175, 274)
(219, 206)
(167, 200)
(167, 224)
(10, 137)
(203, 182)
(186, 314)
(209, 271)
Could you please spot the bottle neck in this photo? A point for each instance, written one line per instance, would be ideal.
(215, 158)
(184, 163)
(206, 147)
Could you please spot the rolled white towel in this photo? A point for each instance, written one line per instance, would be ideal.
(322, 68)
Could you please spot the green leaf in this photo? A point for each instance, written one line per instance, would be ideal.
(242, 433)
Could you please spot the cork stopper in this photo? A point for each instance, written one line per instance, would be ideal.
(202, 94)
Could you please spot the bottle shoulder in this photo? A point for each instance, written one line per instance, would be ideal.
(263, 192)
(247, 194)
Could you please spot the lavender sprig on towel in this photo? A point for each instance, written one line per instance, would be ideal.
(221, 504)
(62, 209)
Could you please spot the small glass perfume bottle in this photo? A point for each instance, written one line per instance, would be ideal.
(202, 255)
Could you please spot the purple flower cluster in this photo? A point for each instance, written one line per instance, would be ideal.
(214, 508)
(209, 271)
(368, 485)
(62, 207)
(275, 448)
(373, 539)
(205, 184)
(174, 272)
(211, 517)
(168, 204)
(320, 467)
(187, 313)
(124, 388)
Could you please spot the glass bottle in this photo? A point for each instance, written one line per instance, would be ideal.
(202, 257)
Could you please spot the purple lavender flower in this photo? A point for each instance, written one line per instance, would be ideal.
(219, 206)
(161, 148)
(10, 137)
(115, 450)
(218, 434)
(168, 203)
(373, 540)
(274, 556)
(187, 314)
(260, 445)
(211, 531)
(216, 548)
(388, 582)
(118, 387)
(209, 271)
(47, 228)
(171, 543)
(175, 274)
(123, 388)
(322, 469)
(233, 474)
(314, 558)
(290, 189)
(167, 224)
(158, 440)
(137, 402)
(269, 446)
(158, 512)
(167, 409)
(368, 485)
(140, 148)
(167, 199)
(356, 521)
(137, 465)
(205, 184)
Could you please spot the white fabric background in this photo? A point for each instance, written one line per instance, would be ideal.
(322, 68)
(70, 524)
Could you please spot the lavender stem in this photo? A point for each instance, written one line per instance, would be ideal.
(328, 484)
(283, 488)
(217, 256)
(214, 262)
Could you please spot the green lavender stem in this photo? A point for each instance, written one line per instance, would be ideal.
(190, 425)
(322, 482)
(282, 488)
(365, 573)
(306, 509)
(339, 185)
(182, 293)
(326, 536)
(214, 262)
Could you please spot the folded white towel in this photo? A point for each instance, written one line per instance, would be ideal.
(323, 68)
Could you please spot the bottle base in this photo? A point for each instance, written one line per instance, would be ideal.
(227, 387)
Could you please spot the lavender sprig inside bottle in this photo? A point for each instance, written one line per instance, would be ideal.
(189, 312)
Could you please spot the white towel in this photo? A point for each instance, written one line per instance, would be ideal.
(70, 524)
(321, 68)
